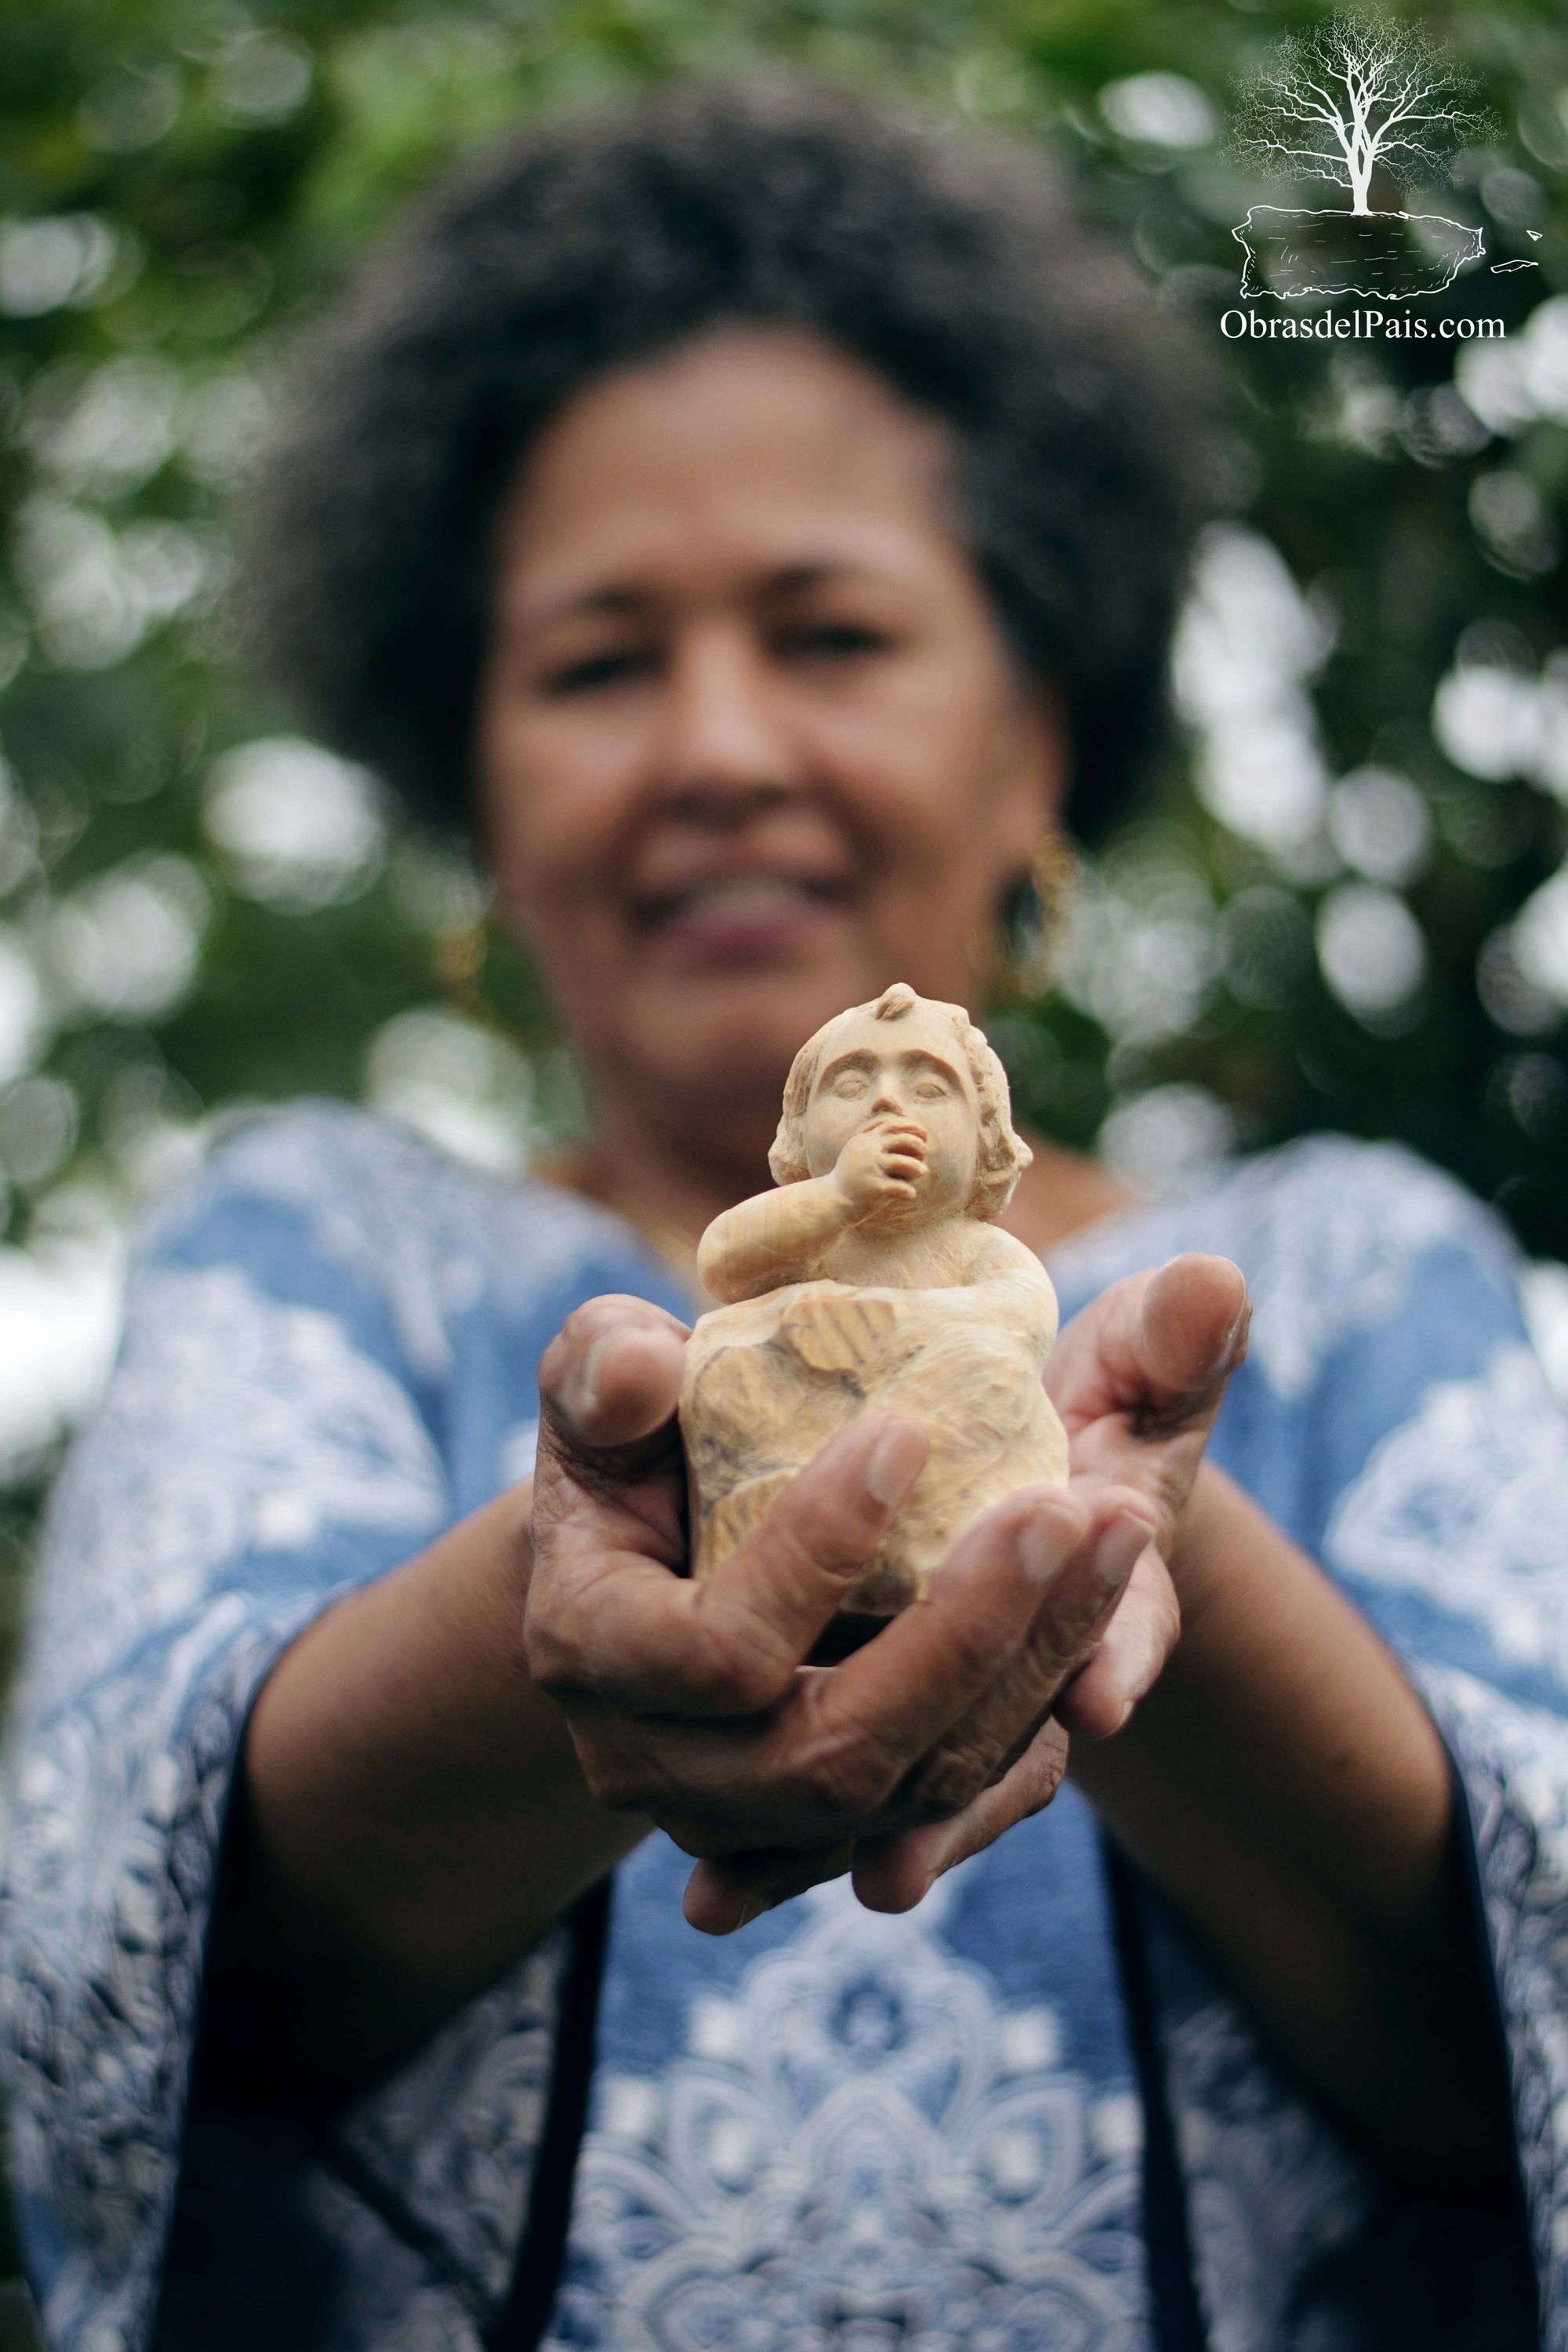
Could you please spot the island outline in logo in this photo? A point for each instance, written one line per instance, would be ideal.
(1360, 94)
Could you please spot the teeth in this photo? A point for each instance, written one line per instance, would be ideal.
(748, 893)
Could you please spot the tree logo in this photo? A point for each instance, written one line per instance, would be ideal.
(1359, 101)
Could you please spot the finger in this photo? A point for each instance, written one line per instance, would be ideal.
(817, 1767)
(1161, 1343)
(784, 1583)
(721, 1896)
(1070, 1624)
(618, 1626)
(802, 1775)
(1130, 1658)
(1191, 1325)
(892, 1874)
(855, 1732)
(611, 1376)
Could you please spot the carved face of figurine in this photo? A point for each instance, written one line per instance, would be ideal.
(904, 1056)
(912, 1073)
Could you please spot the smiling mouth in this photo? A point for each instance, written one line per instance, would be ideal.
(739, 899)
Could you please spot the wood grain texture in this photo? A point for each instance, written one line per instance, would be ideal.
(874, 1277)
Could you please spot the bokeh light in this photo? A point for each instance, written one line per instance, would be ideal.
(294, 826)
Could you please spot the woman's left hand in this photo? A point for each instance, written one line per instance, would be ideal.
(1137, 1377)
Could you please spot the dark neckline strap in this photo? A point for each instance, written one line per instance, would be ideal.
(1176, 2316)
(523, 2318)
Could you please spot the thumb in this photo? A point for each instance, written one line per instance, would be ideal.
(1191, 1325)
(610, 1379)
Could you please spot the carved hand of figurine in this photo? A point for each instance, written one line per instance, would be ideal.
(882, 1164)
(692, 1703)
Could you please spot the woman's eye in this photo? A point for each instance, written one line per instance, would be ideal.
(833, 638)
(931, 1090)
(849, 1085)
(595, 670)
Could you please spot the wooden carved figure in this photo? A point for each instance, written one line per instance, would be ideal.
(872, 1276)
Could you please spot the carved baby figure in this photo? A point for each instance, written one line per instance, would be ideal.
(873, 1277)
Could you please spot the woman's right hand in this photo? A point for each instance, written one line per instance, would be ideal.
(692, 1703)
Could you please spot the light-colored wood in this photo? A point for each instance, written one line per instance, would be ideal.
(874, 1277)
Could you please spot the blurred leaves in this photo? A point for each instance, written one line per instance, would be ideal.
(1346, 906)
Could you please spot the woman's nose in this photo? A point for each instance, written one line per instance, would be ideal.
(723, 744)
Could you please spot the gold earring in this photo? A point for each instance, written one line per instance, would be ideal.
(1035, 909)
(1055, 873)
(458, 959)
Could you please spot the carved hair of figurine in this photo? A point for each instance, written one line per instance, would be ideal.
(1004, 1155)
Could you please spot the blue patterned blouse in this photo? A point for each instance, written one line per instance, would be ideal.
(1025, 2117)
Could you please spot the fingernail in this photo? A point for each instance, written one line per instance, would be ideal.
(893, 1464)
(1117, 1552)
(589, 1376)
(740, 1917)
(1043, 1544)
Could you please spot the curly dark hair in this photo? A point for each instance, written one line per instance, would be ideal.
(948, 261)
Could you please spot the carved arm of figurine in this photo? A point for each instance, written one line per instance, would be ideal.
(780, 1236)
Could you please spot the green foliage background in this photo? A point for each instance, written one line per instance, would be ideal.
(181, 179)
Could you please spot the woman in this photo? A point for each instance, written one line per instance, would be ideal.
(760, 520)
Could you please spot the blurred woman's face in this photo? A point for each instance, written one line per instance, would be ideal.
(750, 744)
